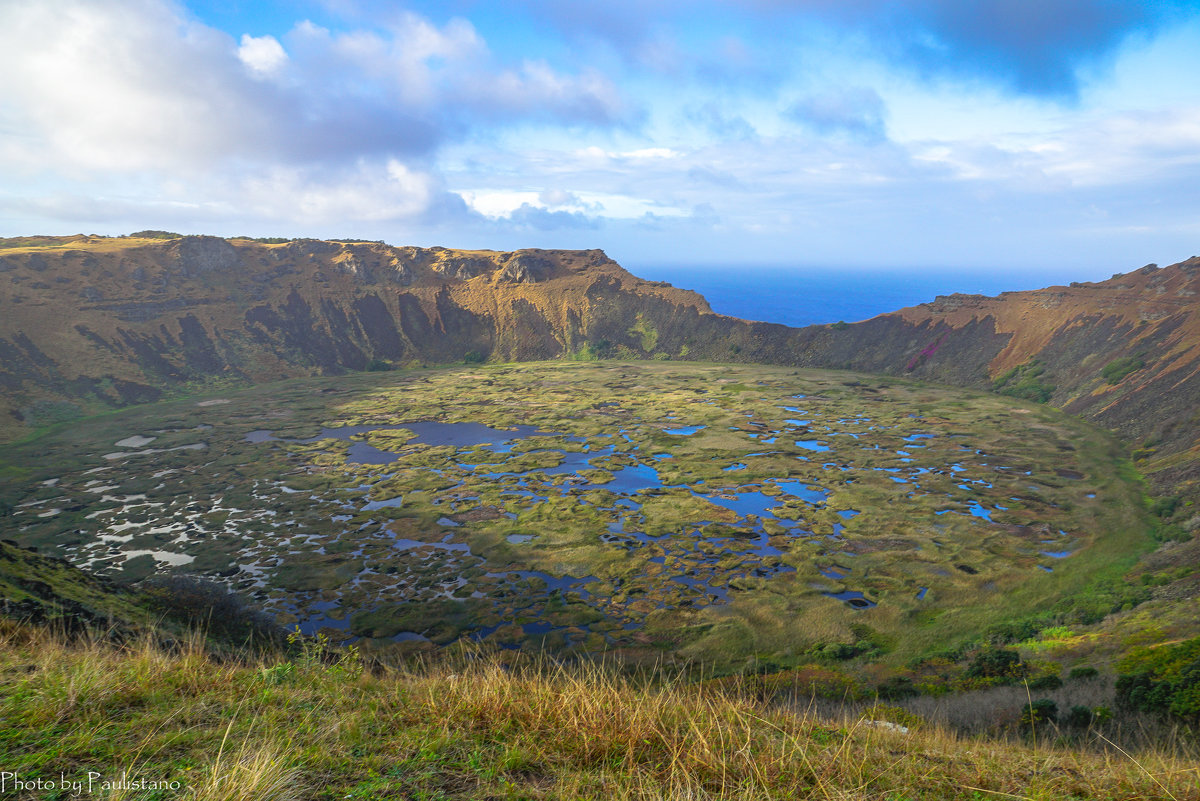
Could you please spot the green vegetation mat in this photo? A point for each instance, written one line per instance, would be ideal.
(726, 515)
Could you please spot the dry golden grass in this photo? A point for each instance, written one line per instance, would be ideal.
(311, 729)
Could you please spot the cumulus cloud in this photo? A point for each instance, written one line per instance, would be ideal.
(138, 87)
(562, 199)
(558, 197)
(262, 54)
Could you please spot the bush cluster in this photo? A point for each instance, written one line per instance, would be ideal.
(1163, 679)
(1116, 370)
(1024, 381)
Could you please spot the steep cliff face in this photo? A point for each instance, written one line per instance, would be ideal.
(91, 322)
(1124, 353)
(118, 321)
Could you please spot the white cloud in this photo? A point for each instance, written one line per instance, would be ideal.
(499, 203)
(263, 55)
(560, 198)
(366, 193)
(131, 109)
(120, 86)
(134, 87)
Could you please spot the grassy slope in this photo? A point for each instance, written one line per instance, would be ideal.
(307, 729)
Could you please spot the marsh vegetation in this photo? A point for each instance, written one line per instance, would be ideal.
(727, 515)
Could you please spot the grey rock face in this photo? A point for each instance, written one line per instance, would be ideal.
(195, 255)
(524, 268)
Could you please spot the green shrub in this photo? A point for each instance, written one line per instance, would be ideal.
(1100, 600)
(1116, 370)
(1163, 679)
(1050, 682)
(1083, 672)
(594, 350)
(1012, 631)
(837, 651)
(1080, 717)
(1042, 710)
(896, 688)
(996, 663)
(1164, 507)
(153, 234)
(1024, 381)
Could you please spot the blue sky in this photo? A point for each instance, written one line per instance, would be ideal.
(1058, 137)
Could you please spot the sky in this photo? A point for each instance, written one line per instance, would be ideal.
(1047, 137)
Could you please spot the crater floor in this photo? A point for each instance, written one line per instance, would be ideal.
(719, 512)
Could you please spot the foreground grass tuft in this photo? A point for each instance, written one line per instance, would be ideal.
(321, 729)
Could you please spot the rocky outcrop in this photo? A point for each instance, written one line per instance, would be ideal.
(525, 268)
(196, 255)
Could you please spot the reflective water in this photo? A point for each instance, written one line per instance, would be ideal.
(693, 556)
(684, 431)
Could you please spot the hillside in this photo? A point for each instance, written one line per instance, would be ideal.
(186, 725)
(88, 323)
(1124, 353)
(119, 321)
(303, 721)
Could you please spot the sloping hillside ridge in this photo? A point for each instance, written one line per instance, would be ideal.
(1123, 353)
(119, 321)
(92, 322)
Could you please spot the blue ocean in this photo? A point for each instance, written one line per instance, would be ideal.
(807, 296)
